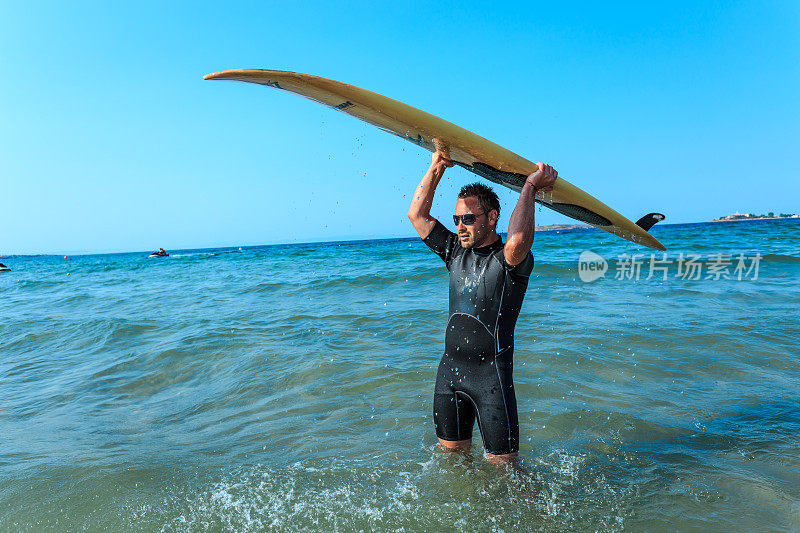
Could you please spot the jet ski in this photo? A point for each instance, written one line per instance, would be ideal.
(4, 268)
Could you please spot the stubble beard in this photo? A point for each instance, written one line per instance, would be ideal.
(469, 243)
(472, 241)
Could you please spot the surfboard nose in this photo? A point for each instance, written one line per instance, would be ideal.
(226, 74)
(215, 75)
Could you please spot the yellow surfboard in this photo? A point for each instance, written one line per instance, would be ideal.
(465, 148)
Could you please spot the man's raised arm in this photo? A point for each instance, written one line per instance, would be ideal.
(420, 211)
(521, 224)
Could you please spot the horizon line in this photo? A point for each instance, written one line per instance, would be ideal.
(552, 227)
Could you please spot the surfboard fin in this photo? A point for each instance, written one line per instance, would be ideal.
(650, 220)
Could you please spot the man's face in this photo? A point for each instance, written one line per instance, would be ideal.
(474, 235)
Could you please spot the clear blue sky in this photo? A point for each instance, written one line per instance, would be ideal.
(110, 140)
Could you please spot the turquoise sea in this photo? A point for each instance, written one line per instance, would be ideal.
(289, 388)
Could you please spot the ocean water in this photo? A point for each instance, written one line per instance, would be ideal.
(289, 388)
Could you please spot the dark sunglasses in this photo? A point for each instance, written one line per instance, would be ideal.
(468, 219)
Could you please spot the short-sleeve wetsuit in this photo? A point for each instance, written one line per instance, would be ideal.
(474, 377)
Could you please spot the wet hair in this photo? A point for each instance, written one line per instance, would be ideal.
(487, 198)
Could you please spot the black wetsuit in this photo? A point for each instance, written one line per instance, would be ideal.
(474, 377)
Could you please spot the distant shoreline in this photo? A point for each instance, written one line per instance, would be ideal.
(562, 227)
(559, 227)
(745, 219)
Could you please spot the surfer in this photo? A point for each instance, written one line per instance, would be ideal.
(488, 280)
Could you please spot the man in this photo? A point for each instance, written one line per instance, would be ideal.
(488, 281)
